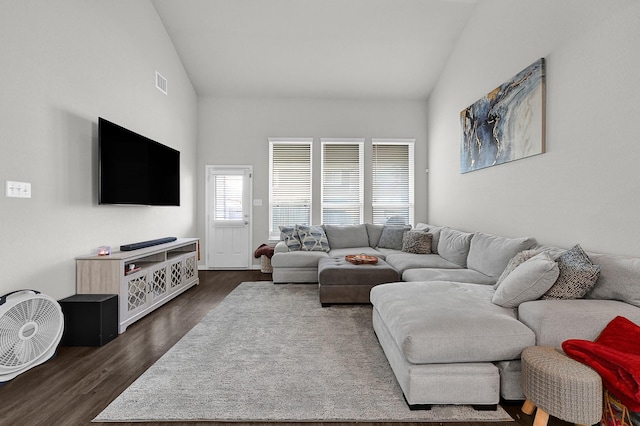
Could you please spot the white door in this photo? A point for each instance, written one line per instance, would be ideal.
(228, 195)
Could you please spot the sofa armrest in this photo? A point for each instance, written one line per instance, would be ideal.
(554, 321)
(281, 247)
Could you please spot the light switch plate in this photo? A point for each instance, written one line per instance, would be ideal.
(18, 189)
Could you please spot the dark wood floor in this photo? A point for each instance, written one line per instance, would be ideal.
(80, 382)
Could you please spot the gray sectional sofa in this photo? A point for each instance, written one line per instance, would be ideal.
(454, 328)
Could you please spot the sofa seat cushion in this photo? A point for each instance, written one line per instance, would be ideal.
(297, 259)
(403, 261)
(458, 275)
(342, 252)
(387, 251)
(446, 322)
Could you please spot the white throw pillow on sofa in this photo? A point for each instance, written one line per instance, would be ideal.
(527, 282)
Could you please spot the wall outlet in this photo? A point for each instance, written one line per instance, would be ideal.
(18, 189)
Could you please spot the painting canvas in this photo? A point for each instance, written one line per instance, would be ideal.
(507, 124)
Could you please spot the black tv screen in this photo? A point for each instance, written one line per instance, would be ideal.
(134, 169)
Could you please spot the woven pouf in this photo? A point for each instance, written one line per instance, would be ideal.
(265, 265)
(560, 386)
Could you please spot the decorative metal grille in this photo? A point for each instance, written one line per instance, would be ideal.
(189, 267)
(176, 274)
(137, 292)
(159, 282)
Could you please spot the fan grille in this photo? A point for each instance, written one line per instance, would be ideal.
(28, 330)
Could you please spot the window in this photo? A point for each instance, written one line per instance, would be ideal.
(392, 181)
(228, 190)
(342, 181)
(289, 183)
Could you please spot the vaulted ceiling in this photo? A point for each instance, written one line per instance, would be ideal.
(363, 49)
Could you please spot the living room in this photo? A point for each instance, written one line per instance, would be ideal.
(66, 63)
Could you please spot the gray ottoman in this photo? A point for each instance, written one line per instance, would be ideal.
(559, 386)
(340, 281)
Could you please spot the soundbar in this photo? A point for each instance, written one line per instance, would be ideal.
(143, 244)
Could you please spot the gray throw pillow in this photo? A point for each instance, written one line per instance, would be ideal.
(577, 275)
(418, 242)
(528, 281)
(289, 235)
(312, 238)
(514, 262)
(391, 237)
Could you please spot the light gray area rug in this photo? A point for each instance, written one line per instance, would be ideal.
(272, 353)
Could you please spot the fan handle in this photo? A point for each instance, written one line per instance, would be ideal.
(4, 298)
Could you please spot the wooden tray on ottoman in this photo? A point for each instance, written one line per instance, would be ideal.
(360, 259)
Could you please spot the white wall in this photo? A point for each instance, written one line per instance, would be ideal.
(64, 64)
(235, 131)
(586, 188)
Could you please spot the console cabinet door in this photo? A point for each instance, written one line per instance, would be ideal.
(190, 268)
(175, 274)
(135, 292)
(158, 283)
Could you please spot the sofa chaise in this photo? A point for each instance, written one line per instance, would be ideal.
(453, 329)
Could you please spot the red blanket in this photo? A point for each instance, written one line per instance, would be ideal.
(615, 355)
(264, 250)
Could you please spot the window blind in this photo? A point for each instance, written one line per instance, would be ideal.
(392, 181)
(342, 182)
(290, 183)
(228, 197)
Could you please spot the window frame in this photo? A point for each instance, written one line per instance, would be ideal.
(410, 204)
(274, 234)
(359, 204)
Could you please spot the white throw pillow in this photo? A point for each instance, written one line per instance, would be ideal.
(527, 282)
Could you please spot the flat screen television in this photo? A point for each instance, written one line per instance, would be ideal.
(134, 169)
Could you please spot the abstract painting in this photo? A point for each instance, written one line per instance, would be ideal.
(507, 124)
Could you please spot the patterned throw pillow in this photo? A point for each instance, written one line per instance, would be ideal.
(391, 237)
(312, 238)
(418, 242)
(515, 261)
(289, 235)
(577, 275)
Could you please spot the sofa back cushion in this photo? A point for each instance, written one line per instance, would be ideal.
(346, 236)
(619, 278)
(453, 246)
(490, 254)
(375, 232)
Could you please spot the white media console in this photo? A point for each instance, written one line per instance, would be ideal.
(143, 279)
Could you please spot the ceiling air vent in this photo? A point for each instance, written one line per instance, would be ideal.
(161, 83)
